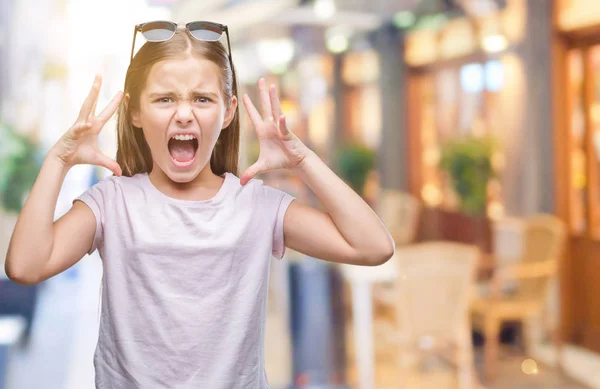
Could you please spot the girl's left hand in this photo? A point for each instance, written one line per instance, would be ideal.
(279, 147)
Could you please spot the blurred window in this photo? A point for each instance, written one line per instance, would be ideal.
(578, 171)
(455, 100)
(584, 153)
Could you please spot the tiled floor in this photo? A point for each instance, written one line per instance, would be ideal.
(439, 375)
(511, 376)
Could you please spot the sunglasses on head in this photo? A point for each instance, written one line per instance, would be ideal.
(160, 31)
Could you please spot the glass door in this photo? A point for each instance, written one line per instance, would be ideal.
(584, 140)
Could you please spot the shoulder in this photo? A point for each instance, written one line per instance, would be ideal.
(109, 185)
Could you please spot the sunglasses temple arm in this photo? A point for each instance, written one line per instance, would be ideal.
(228, 45)
(133, 44)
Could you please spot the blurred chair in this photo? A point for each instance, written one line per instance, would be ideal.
(400, 212)
(372, 289)
(543, 240)
(434, 290)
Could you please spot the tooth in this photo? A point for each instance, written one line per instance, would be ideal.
(183, 137)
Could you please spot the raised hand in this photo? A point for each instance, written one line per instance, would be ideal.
(279, 147)
(79, 145)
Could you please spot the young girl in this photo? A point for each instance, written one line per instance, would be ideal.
(185, 243)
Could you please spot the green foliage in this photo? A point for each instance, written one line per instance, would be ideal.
(354, 163)
(19, 167)
(467, 161)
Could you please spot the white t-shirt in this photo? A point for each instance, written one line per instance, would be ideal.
(185, 283)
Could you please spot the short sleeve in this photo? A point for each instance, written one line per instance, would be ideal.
(277, 202)
(97, 198)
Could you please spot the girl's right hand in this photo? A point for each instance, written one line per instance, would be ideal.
(79, 145)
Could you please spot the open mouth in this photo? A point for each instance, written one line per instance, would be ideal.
(183, 149)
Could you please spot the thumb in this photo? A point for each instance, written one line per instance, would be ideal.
(110, 164)
(283, 126)
(252, 171)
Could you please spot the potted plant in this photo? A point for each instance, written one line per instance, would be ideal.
(355, 162)
(468, 163)
(19, 167)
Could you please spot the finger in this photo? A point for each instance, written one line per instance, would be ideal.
(93, 110)
(80, 128)
(252, 111)
(110, 164)
(283, 128)
(251, 172)
(265, 102)
(275, 104)
(89, 102)
(111, 108)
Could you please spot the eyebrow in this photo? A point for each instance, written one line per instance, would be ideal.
(156, 95)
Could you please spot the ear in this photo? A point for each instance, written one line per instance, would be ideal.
(230, 113)
(135, 116)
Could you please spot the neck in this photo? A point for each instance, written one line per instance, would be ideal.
(203, 185)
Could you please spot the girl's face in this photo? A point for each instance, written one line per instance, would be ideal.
(182, 112)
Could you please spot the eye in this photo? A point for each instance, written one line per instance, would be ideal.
(203, 99)
(165, 100)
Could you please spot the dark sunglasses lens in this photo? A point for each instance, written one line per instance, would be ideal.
(205, 31)
(158, 31)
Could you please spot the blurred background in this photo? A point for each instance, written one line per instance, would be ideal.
(472, 127)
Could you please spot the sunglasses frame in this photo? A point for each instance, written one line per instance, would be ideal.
(222, 27)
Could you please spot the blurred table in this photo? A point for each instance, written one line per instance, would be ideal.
(361, 279)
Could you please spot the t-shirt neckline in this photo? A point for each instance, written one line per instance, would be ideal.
(215, 199)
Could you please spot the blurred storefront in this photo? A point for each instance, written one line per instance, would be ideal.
(527, 75)
(576, 46)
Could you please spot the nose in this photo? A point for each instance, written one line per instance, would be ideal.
(184, 114)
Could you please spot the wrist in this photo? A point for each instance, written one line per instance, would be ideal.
(54, 160)
(306, 162)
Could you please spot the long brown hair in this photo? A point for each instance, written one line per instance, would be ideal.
(133, 153)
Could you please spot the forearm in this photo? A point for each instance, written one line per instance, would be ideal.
(356, 221)
(31, 242)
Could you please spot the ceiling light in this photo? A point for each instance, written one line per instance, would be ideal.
(495, 43)
(276, 54)
(324, 9)
(337, 43)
